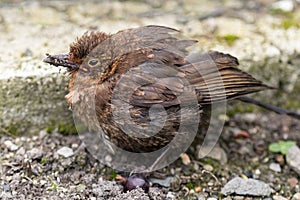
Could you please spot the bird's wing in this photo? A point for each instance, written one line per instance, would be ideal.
(209, 77)
(131, 40)
(153, 83)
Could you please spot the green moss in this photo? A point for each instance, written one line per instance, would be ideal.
(54, 186)
(276, 73)
(211, 161)
(27, 105)
(44, 161)
(190, 185)
(277, 11)
(12, 130)
(113, 175)
(66, 128)
(229, 39)
(289, 19)
(290, 22)
(50, 128)
(240, 107)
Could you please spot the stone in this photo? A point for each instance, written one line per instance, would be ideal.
(216, 153)
(275, 167)
(185, 159)
(163, 182)
(293, 158)
(35, 153)
(10, 145)
(296, 196)
(208, 167)
(66, 152)
(242, 186)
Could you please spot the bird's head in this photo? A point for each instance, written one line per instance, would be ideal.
(79, 50)
(77, 60)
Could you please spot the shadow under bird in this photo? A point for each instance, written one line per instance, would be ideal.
(162, 67)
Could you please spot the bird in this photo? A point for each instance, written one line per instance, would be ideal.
(148, 77)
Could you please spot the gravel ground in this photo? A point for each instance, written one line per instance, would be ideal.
(55, 166)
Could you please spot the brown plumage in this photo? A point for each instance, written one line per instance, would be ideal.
(153, 58)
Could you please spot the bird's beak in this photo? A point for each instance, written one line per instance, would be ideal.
(60, 60)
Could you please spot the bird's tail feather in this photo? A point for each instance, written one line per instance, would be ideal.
(215, 77)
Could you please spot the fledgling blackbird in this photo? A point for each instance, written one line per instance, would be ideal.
(160, 69)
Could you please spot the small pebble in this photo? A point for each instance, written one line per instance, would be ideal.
(196, 167)
(74, 145)
(163, 182)
(10, 145)
(208, 168)
(66, 152)
(185, 159)
(210, 183)
(216, 153)
(275, 167)
(198, 189)
(201, 197)
(280, 159)
(212, 198)
(5, 187)
(170, 196)
(296, 196)
(249, 117)
(43, 182)
(257, 172)
(292, 182)
(35, 153)
(293, 158)
(42, 133)
(108, 158)
(21, 151)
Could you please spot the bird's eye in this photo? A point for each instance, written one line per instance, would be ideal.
(93, 62)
